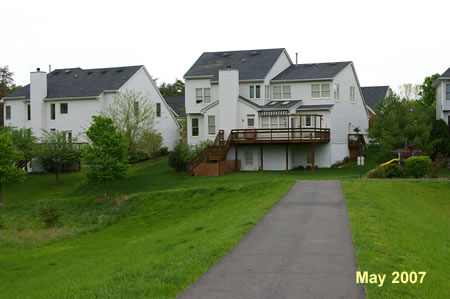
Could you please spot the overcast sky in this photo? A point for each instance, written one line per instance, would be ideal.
(390, 42)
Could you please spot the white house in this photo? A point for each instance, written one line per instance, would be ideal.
(275, 115)
(66, 99)
(442, 85)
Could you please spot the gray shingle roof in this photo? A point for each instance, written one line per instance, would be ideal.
(315, 107)
(76, 82)
(311, 71)
(446, 74)
(249, 102)
(177, 103)
(252, 64)
(280, 104)
(373, 95)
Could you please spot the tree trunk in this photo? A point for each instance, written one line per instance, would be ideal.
(1, 194)
(104, 189)
(57, 174)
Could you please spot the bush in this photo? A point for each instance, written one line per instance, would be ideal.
(164, 151)
(180, 157)
(376, 173)
(418, 166)
(137, 156)
(151, 144)
(50, 214)
(434, 170)
(394, 170)
(199, 147)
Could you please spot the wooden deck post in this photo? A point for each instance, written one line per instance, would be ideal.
(262, 159)
(287, 156)
(235, 156)
(312, 157)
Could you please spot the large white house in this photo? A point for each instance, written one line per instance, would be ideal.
(272, 114)
(66, 99)
(442, 85)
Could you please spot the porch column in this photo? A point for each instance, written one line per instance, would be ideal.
(262, 159)
(287, 158)
(312, 157)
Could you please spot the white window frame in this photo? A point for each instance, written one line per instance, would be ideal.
(197, 127)
(248, 158)
(158, 109)
(447, 91)
(60, 110)
(204, 97)
(274, 122)
(267, 92)
(52, 111)
(255, 93)
(336, 92)
(28, 112)
(212, 126)
(304, 119)
(284, 95)
(8, 110)
(250, 117)
(352, 94)
(321, 96)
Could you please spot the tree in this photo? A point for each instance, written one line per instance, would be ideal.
(399, 122)
(23, 140)
(9, 173)
(172, 89)
(408, 91)
(105, 158)
(441, 138)
(6, 86)
(133, 114)
(427, 92)
(151, 143)
(56, 149)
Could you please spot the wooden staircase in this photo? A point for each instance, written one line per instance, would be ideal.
(217, 152)
(356, 145)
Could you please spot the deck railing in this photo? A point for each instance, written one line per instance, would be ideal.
(281, 135)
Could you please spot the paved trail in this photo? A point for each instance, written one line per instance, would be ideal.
(302, 248)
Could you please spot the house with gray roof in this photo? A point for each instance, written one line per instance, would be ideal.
(268, 113)
(66, 99)
(442, 85)
(373, 95)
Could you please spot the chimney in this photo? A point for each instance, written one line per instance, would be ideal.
(228, 99)
(38, 92)
(296, 58)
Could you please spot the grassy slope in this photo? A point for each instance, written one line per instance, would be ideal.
(402, 226)
(171, 237)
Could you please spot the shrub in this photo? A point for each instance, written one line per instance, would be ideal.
(180, 157)
(151, 143)
(418, 166)
(137, 156)
(434, 170)
(394, 170)
(376, 173)
(199, 147)
(50, 214)
(164, 151)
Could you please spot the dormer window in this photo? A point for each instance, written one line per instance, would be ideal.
(202, 95)
(255, 91)
(282, 92)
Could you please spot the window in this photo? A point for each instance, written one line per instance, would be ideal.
(202, 95)
(195, 131)
(283, 122)
(352, 94)
(8, 112)
(64, 108)
(52, 112)
(68, 136)
(136, 108)
(320, 91)
(255, 91)
(448, 92)
(336, 92)
(267, 92)
(265, 122)
(308, 121)
(274, 121)
(158, 109)
(250, 120)
(52, 130)
(248, 158)
(28, 112)
(211, 125)
(281, 92)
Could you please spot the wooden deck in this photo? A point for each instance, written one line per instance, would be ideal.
(283, 135)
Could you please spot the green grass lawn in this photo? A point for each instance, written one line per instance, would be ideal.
(161, 230)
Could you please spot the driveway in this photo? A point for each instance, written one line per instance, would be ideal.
(302, 248)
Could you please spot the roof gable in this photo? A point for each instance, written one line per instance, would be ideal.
(177, 103)
(79, 83)
(446, 74)
(373, 95)
(252, 64)
(311, 71)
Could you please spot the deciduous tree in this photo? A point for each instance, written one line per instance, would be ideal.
(172, 89)
(105, 158)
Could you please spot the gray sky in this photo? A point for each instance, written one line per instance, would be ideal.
(390, 42)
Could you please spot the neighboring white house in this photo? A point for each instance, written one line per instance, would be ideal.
(66, 99)
(442, 85)
(280, 115)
